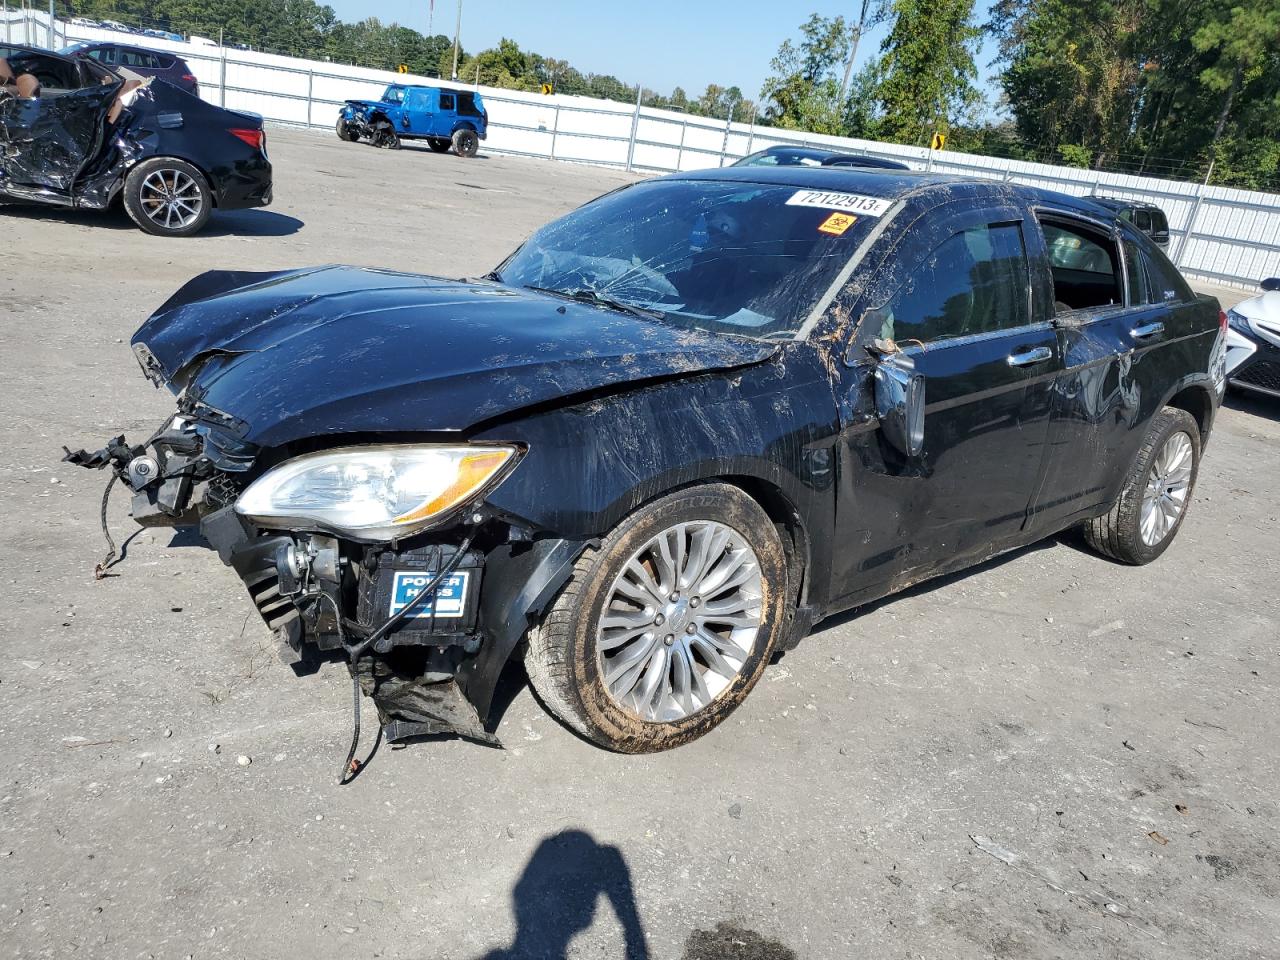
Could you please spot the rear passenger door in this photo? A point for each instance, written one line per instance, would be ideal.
(1109, 321)
(968, 314)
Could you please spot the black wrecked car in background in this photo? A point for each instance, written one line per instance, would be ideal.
(75, 134)
(672, 432)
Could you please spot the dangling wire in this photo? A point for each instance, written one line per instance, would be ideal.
(112, 557)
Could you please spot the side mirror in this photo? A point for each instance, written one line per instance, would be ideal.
(900, 403)
(1271, 284)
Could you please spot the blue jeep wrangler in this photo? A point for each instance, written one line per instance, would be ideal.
(446, 119)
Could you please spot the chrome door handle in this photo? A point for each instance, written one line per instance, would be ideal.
(1029, 358)
(1144, 330)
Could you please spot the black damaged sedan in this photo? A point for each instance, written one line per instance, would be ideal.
(76, 134)
(672, 432)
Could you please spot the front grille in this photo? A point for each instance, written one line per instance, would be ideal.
(1264, 373)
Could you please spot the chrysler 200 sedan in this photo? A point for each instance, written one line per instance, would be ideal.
(672, 432)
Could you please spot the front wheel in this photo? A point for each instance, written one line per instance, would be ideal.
(167, 197)
(1153, 502)
(345, 131)
(465, 142)
(384, 136)
(664, 629)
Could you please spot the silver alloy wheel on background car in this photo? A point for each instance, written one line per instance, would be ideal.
(171, 198)
(680, 621)
(1167, 486)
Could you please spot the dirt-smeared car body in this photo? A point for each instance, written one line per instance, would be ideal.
(579, 409)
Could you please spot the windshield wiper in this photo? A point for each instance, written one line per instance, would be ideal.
(595, 299)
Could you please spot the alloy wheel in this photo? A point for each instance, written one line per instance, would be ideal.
(171, 199)
(680, 621)
(1168, 484)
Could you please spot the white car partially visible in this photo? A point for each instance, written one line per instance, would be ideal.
(1253, 341)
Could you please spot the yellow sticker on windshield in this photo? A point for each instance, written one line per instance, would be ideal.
(837, 224)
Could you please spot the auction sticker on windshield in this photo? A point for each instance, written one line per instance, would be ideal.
(450, 598)
(852, 202)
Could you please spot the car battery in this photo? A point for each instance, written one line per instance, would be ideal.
(446, 618)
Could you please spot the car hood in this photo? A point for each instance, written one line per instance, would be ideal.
(1265, 306)
(337, 350)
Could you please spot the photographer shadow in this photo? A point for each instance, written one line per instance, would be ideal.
(555, 898)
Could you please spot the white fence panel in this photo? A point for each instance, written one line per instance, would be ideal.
(1217, 233)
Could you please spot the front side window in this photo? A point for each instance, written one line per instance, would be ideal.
(975, 282)
(393, 95)
(734, 257)
(1085, 266)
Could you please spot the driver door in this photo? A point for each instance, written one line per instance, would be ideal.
(969, 315)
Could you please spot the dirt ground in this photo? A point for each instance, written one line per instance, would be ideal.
(1050, 756)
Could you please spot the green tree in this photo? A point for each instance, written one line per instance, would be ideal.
(803, 92)
(927, 68)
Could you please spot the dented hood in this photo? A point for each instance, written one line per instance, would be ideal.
(350, 350)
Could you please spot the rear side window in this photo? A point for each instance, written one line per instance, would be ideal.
(467, 105)
(446, 101)
(1142, 220)
(975, 282)
(1159, 226)
(1139, 292)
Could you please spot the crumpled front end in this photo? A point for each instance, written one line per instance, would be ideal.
(425, 623)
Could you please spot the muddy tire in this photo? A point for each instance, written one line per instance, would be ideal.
(686, 666)
(1156, 493)
(440, 144)
(167, 197)
(345, 132)
(465, 143)
(384, 136)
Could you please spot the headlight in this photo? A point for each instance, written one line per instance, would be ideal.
(1238, 321)
(372, 493)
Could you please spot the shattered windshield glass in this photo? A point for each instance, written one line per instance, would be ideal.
(734, 257)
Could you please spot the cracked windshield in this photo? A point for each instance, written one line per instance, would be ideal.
(724, 256)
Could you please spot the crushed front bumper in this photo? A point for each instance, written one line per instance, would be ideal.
(430, 664)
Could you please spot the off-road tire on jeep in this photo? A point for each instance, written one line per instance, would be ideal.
(384, 136)
(465, 142)
(1118, 532)
(440, 144)
(345, 132)
(561, 656)
(140, 193)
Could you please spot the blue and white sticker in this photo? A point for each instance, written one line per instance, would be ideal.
(450, 598)
(831, 200)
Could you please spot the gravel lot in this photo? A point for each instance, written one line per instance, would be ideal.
(1050, 756)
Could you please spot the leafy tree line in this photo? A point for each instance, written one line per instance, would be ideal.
(306, 28)
(1162, 87)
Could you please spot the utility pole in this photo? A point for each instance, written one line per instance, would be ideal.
(457, 29)
(853, 49)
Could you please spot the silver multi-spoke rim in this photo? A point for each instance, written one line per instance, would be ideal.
(1167, 487)
(171, 198)
(680, 621)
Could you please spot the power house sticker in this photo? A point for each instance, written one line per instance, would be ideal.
(846, 202)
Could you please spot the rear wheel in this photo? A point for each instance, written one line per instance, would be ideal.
(663, 630)
(1153, 502)
(440, 144)
(345, 131)
(167, 197)
(465, 142)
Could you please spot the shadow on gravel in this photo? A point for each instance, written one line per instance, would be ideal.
(555, 898)
(1255, 404)
(230, 223)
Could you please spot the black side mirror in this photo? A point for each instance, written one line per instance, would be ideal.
(900, 403)
(1270, 284)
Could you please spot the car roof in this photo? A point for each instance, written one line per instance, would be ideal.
(1120, 203)
(898, 184)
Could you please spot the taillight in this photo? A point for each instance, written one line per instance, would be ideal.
(1222, 321)
(254, 138)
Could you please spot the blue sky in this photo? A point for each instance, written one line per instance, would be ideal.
(660, 43)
